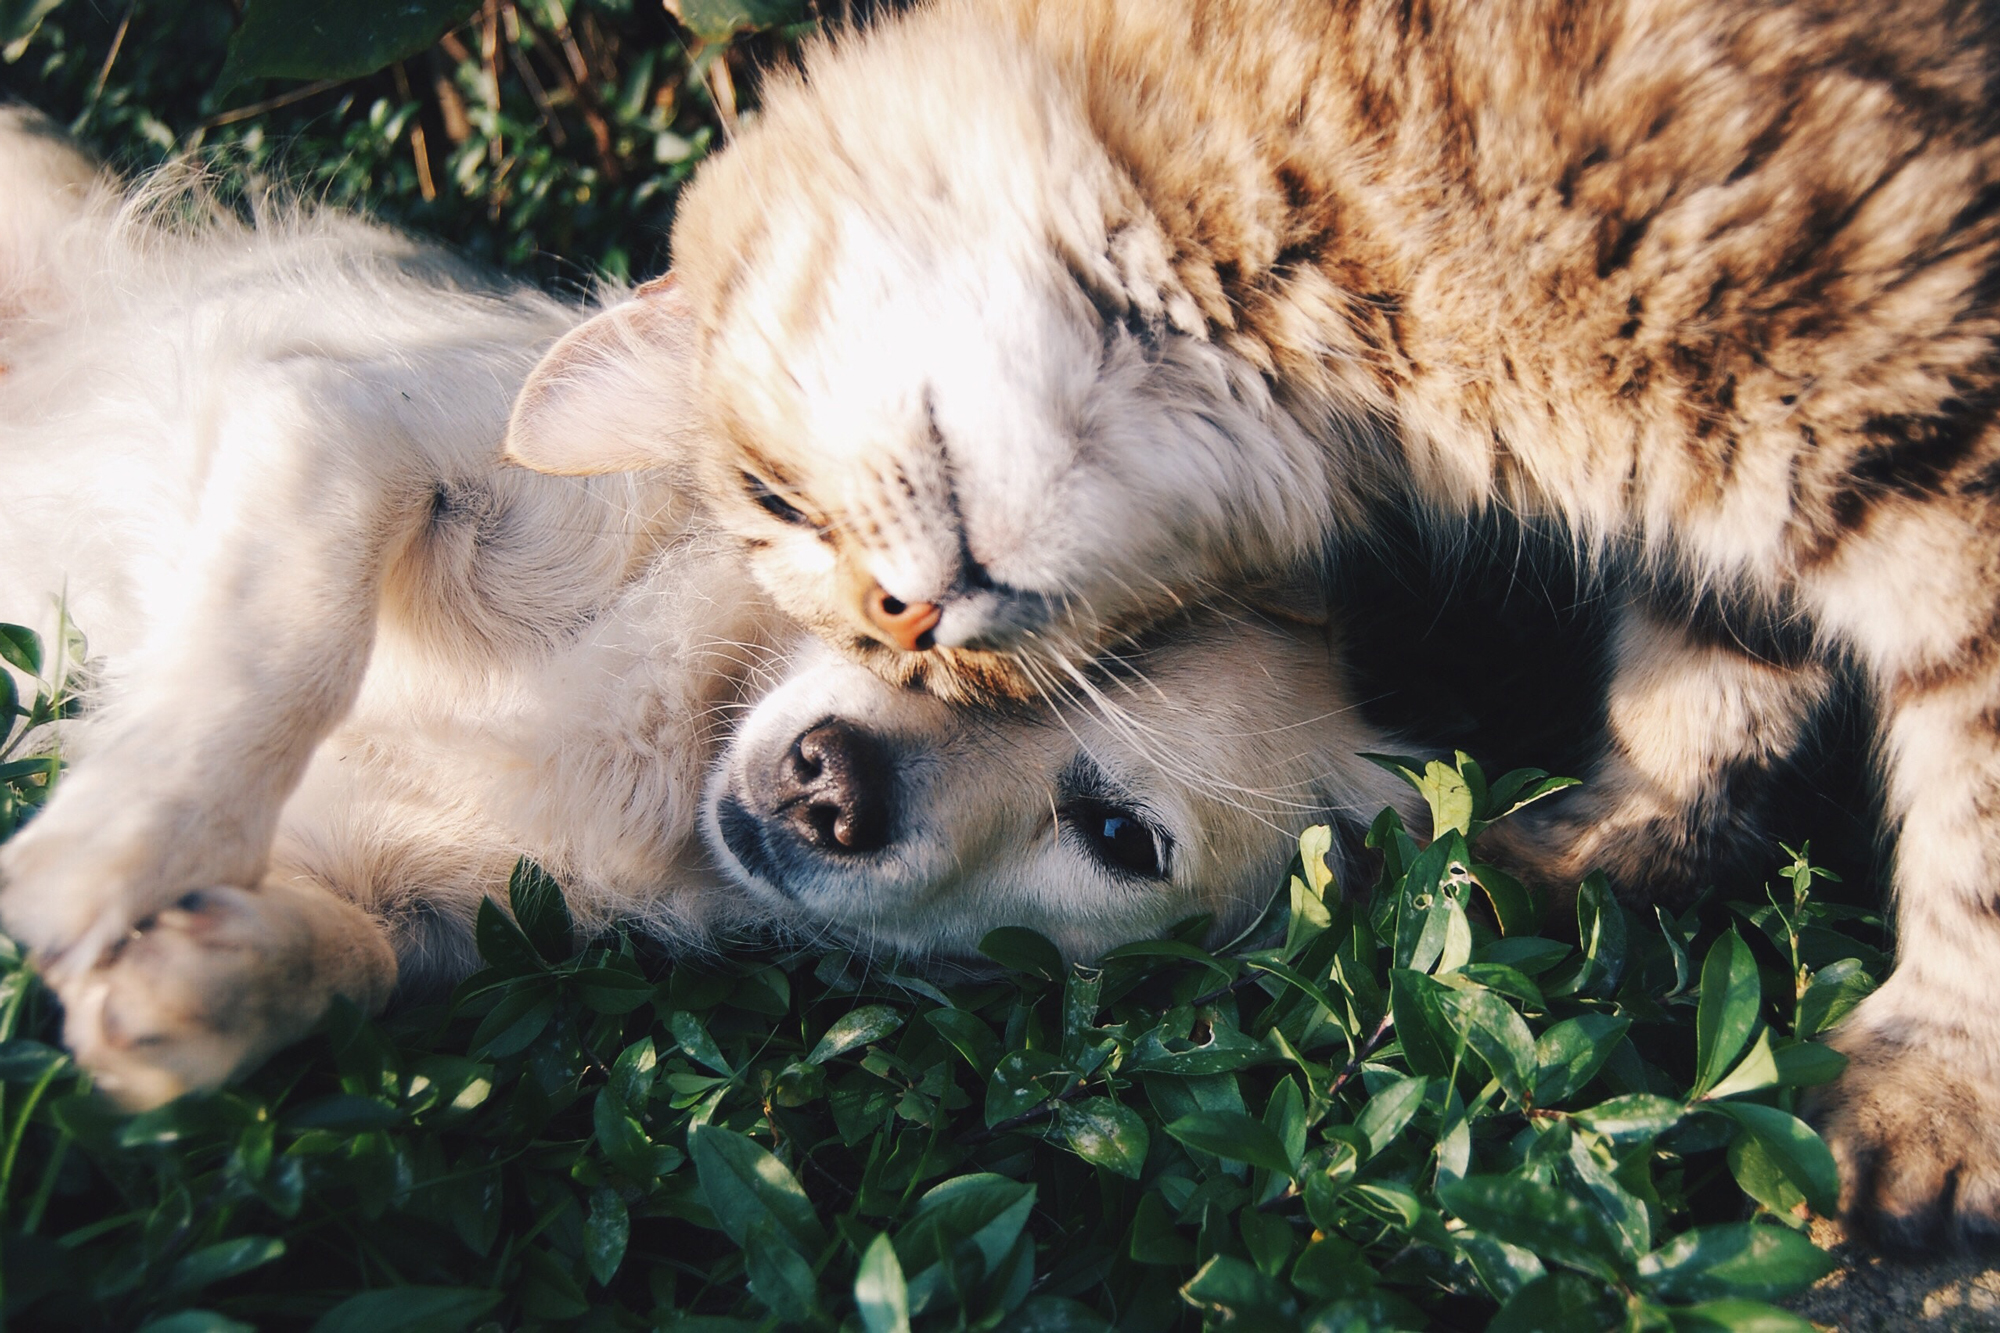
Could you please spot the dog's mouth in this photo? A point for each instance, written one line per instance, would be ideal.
(742, 835)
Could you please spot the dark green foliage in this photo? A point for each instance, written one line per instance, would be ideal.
(541, 135)
(1377, 1112)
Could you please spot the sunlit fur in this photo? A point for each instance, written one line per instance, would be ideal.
(1059, 315)
(345, 667)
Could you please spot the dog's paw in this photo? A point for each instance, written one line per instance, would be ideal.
(194, 995)
(1914, 1125)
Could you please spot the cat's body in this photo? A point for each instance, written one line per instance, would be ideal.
(1023, 322)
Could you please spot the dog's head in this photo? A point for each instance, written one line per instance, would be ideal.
(1167, 785)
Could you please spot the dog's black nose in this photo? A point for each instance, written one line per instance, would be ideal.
(833, 789)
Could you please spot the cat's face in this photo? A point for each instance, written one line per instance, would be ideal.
(897, 821)
(950, 395)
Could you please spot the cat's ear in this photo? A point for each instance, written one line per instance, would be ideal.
(615, 394)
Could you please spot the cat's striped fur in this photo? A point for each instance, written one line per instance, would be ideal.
(1052, 315)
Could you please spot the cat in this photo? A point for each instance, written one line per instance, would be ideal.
(1021, 324)
(345, 668)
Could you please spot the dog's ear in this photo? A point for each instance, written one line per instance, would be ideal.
(615, 394)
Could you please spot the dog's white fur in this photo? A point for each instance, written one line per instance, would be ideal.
(346, 667)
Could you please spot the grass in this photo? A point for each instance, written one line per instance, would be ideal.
(1410, 1104)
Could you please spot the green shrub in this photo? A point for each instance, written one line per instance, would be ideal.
(1372, 1111)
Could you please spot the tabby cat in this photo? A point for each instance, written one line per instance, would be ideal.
(1021, 323)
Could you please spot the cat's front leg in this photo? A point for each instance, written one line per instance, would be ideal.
(1914, 1122)
(1694, 724)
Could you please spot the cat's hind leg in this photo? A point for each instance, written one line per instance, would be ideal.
(1696, 718)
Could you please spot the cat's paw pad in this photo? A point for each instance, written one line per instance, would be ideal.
(191, 996)
(1914, 1125)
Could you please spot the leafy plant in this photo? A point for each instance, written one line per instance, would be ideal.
(547, 136)
(1377, 1112)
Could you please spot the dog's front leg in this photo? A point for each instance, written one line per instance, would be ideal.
(307, 477)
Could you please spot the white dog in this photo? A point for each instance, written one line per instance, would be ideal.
(347, 667)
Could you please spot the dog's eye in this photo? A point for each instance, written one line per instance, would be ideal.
(1118, 838)
(773, 503)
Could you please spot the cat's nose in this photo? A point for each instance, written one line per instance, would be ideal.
(908, 625)
(833, 789)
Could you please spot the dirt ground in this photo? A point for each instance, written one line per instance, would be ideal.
(1869, 1294)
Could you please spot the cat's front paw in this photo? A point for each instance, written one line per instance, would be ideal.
(197, 994)
(1914, 1125)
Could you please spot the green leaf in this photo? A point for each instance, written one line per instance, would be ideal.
(1513, 906)
(612, 990)
(1522, 788)
(1831, 995)
(24, 1060)
(1430, 1043)
(869, 1023)
(1756, 1071)
(1498, 1034)
(633, 1072)
(1570, 1054)
(1557, 1303)
(538, 906)
(1637, 1115)
(1539, 1217)
(516, 1021)
(226, 1259)
(1390, 1110)
(880, 1294)
(1310, 914)
(21, 647)
(1153, 1239)
(1022, 950)
(1234, 1135)
(1171, 949)
(1528, 954)
(1449, 796)
(1022, 1081)
(1793, 1147)
(694, 1039)
(408, 1310)
(1600, 926)
(1737, 1259)
(745, 1185)
(1054, 1314)
(606, 1232)
(969, 1036)
(779, 1277)
(1730, 993)
(1808, 1064)
(333, 39)
(1238, 1292)
(195, 1321)
(1329, 1176)
(502, 943)
(987, 1211)
(1737, 1317)
(1105, 1134)
(719, 20)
